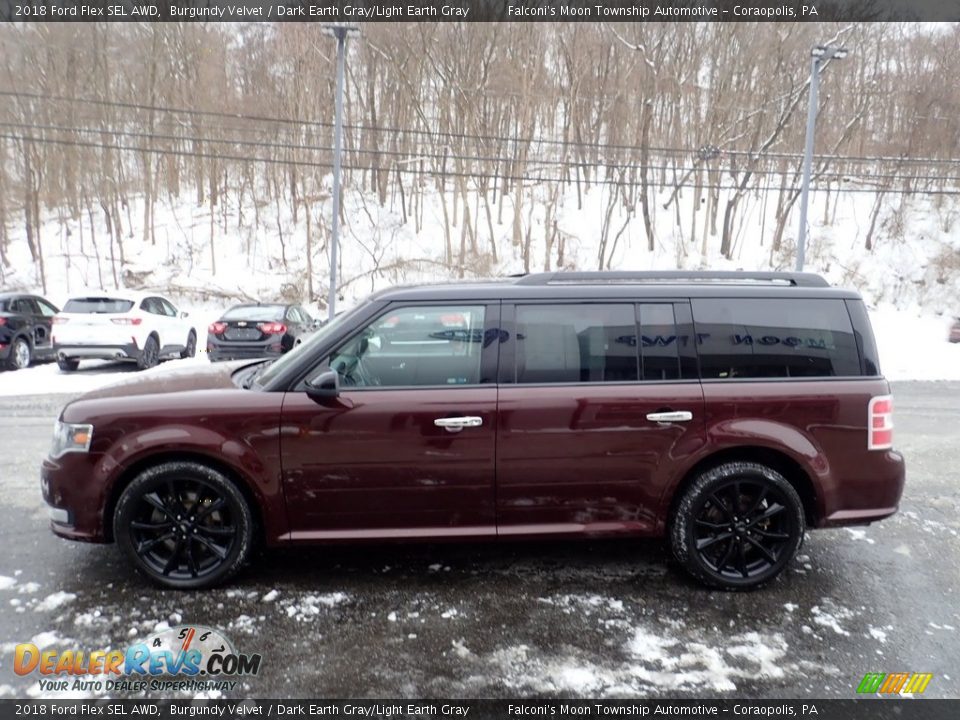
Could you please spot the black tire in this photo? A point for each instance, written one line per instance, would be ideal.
(68, 364)
(737, 526)
(150, 355)
(184, 525)
(191, 349)
(21, 354)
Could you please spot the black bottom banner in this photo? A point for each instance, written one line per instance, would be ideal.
(861, 709)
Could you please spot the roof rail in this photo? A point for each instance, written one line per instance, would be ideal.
(730, 276)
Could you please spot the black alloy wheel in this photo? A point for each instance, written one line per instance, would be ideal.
(738, 526)
(150, 355)
(184, 525)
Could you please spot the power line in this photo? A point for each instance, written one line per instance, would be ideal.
(464, 136)
(415, 157)
(430, 173)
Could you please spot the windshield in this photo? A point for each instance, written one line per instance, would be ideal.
(254, 312)
(280, 365)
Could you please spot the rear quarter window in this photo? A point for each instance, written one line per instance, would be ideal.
(97, 305)
(774, 338)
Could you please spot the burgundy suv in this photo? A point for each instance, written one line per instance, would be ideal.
(727, 412)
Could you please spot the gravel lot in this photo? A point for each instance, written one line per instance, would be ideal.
(609, 619)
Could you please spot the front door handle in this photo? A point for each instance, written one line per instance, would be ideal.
(456, 424)
(671, 416)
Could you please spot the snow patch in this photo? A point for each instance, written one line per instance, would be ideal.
(54, 601)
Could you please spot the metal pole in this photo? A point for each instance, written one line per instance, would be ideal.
(808, 161)
(341, 33)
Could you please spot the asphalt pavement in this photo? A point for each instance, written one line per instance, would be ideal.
(563, 619)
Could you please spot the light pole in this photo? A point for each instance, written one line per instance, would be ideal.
(340, 32)
(819, 55)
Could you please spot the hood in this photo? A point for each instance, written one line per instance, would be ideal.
(163, 380)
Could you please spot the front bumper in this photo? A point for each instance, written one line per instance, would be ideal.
(76, 496)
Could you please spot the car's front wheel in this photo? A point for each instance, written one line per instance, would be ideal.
(737, 526)
(184, 525)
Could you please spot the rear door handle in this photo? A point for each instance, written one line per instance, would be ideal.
(456, 424)
(671, 416)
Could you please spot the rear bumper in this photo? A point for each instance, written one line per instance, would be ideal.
(872, 496)
(219, 351)
(127, 351)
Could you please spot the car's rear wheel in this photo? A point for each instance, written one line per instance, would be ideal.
(68, 364)
(184, 525)
(150, 355)
(737, 526)
(20, 354)
(191, 348)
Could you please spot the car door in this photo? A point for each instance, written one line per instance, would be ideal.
(407, 449)
(594, 416)
(43, 326)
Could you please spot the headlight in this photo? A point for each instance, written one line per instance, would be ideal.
(70, 437)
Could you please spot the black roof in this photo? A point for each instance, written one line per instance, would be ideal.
(626, 285)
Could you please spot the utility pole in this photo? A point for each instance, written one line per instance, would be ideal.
(340, 32)
(818, 56)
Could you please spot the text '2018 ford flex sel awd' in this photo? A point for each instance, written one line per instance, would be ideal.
(727, 412)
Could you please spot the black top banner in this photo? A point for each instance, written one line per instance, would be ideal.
(357, 11)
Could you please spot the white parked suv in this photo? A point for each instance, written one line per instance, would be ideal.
(141, 327)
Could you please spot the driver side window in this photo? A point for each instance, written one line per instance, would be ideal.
(415, 346)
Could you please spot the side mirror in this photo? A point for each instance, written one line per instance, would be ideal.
(324, 386)
(184, 314)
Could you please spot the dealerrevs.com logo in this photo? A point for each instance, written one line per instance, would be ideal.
(186, 658)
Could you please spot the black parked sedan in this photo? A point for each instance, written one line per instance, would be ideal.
(255, 331)
(25, 329)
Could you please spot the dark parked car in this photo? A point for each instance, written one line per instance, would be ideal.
(25, 329)
(727, 412)
(257, 331)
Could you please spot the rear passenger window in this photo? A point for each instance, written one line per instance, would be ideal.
(659, 342)
(576, 343)
(774, 338)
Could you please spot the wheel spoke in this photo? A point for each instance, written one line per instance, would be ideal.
(174, 559)
(148, 545)
(154, 500)
(712, 525)
(770, 535)
(727, 555)
(191, 560)
(218, 531)
(175, 497)
(137, 525)
(220, 552)
(704, 543)
(774, 509)
(741, 558)
(763, 551)
(715, 499)
(756, 503)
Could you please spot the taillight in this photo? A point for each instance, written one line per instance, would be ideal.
(272, 328)
(126, 321)
(880, 419)
(217, 328)
(3, 321)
